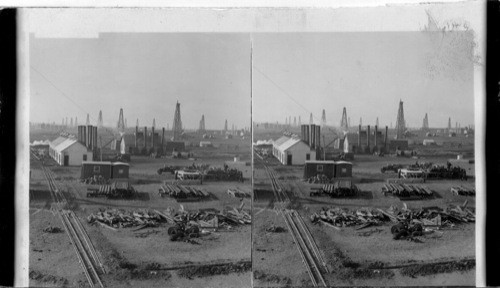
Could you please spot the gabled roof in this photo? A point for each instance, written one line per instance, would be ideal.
(288, 144)
(57, 141)
(65, 144)
(281, 140)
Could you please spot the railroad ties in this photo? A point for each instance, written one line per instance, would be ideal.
(309, 252)
(85, 251)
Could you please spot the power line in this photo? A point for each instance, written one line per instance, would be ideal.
(284, 92)
(66, 96)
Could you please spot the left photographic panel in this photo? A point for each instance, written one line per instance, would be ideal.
(140, 152)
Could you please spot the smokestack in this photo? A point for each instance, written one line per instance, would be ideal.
(84, 136)
(307, 135)
(145, 137)
(136, 132)
(89, 136)
(312, 136)
(318, 137)
(376, 132)
(153, 137)
(359, 137)
(385, 140)
(95, 137)
(162, 137)
(368, 137)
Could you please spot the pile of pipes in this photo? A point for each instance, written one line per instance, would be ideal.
(428, 216)
(432, 216)
(463, 191)
(178, 191)
(167, 169)
(343, 217)
(204, 218)
(236, 192)
(319, 179)
(219, 174)
(406, 190)
(446, 172)
(95, 180)
(115, 218)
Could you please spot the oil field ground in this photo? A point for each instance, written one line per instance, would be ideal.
(147, 257)
(369, 256)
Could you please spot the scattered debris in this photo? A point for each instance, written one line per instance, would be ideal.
(271, 278)
(45, 278)
(342, 217)
(406, 230)
(275, 229)
(437, 268)
(216, 269)
(52, 229)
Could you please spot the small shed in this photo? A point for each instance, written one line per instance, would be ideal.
(429, 142)
(119, 170)
(96, 168)
(313, 168)
(343, 169)
(206, 144)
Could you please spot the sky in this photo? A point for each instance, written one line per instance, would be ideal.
(296, 74)
(145, 74)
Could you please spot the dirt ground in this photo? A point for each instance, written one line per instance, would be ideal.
(368, 257)
(146, 258)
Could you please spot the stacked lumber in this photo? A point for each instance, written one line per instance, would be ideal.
(210, 218)
(407, 190)
(115, 218)
(428, 216)
(344, 217)
(178, 191)
(236, 192)
(463, 191)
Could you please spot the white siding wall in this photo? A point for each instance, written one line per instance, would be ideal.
(299, 152)
(76, 152)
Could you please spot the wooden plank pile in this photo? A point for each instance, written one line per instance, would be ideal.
(406, 190)
(236, 192)
(343, 217)
(463, 191)
(115, 218)
(178, 191)
(205, 218)
(428, 216)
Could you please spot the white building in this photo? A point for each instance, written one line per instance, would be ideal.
(69, 152)
(292, 151)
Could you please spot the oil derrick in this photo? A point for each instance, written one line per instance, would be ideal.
(294, 121)
(425, 125)
(400, 122)
(449, 125)
(202, 124)
(323, 118)
(376, 123)
(349, 122)
(88, 120)
(71, 123)
(311, 119)
(344, 124)
(225, 126)
(177, 127)
(137, 123)
(121, 123)
(360, 121)
(289, 120)
(300, 122)
(99, 119)
(76, 121)
(126, 123)
(62, 123)
(286, 121)
(66, 123)
(154, 123)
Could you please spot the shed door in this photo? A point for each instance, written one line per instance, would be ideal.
(289, 159)
(66, 160)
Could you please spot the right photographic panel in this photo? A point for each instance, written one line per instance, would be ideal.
(364, 155)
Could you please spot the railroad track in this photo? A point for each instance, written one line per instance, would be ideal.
(309, 252)
(85, 250)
